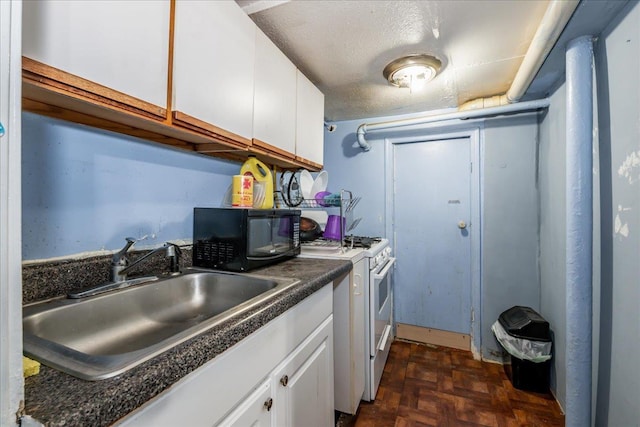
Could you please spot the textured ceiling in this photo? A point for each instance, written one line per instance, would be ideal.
(343, 46)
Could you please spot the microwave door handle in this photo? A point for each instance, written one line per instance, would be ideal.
(380, 276)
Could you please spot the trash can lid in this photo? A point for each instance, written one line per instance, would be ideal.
(525, 322)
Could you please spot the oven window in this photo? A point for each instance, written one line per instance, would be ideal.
(269, 236)
(383, 291)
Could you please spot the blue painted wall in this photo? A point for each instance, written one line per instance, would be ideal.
(509, 222)
(509, 196)
(616, 248)
(553, 233)
(618, 68)
(86, 189)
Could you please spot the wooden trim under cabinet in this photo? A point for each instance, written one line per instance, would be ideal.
(38, 75)
(266, 148)
(54, 93)
(308, 164)
(196, 125)
(283, 161)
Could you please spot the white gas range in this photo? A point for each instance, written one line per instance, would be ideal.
(368, 318)
(379, 295)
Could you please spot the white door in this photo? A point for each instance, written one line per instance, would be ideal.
(432, 211)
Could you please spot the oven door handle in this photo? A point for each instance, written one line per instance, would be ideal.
(385, 337)
(380, 276)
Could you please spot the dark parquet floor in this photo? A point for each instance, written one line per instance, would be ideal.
(425, 385)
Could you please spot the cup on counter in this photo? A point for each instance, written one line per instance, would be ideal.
(259, 194)
(242, 191)
(333, 230)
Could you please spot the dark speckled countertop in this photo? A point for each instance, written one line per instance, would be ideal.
(57, 399)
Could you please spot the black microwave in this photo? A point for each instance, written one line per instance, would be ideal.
(236, 239)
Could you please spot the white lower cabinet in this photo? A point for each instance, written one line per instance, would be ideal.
(255, 411)
(284, 399)
(281, 375)
(303, 392)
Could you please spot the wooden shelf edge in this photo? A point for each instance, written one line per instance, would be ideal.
(53, 93)
(57, 112)
(188, 122)
(57, 80)
(308, 164)
(268, 148)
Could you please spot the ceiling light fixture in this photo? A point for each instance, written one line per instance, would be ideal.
(412, 71)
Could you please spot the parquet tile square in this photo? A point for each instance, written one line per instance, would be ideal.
(426, 385)
(421, 372)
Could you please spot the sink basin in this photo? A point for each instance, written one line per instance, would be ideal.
(98, 337)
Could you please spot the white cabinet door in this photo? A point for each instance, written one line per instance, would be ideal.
(123, 45)
(274, 108)
(255, 411)
(309, 121)
(213, 64)
(303, 383)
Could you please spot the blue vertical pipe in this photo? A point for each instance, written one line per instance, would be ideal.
(579, 239)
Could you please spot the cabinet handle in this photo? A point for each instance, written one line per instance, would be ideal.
(284, 380)
(268, 404)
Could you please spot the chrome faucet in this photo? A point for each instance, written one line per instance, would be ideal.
(120, 265)
(120, 262)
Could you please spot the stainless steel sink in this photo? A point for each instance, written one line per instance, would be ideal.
(102, 336)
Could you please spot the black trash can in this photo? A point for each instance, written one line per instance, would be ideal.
(524, 323)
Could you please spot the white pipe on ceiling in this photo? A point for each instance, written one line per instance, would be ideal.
(553, 22)
(456, 115)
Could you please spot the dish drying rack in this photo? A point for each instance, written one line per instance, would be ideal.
(345, 204)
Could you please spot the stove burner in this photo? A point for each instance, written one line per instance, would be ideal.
(360, 241)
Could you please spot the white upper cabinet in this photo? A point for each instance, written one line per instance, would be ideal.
(310, 121)
(122, 45)
(213, 65)
(274, 108)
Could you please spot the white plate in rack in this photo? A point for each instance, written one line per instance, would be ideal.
(320, 183)
(306, 184)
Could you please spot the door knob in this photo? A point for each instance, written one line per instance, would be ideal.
(462, 225)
